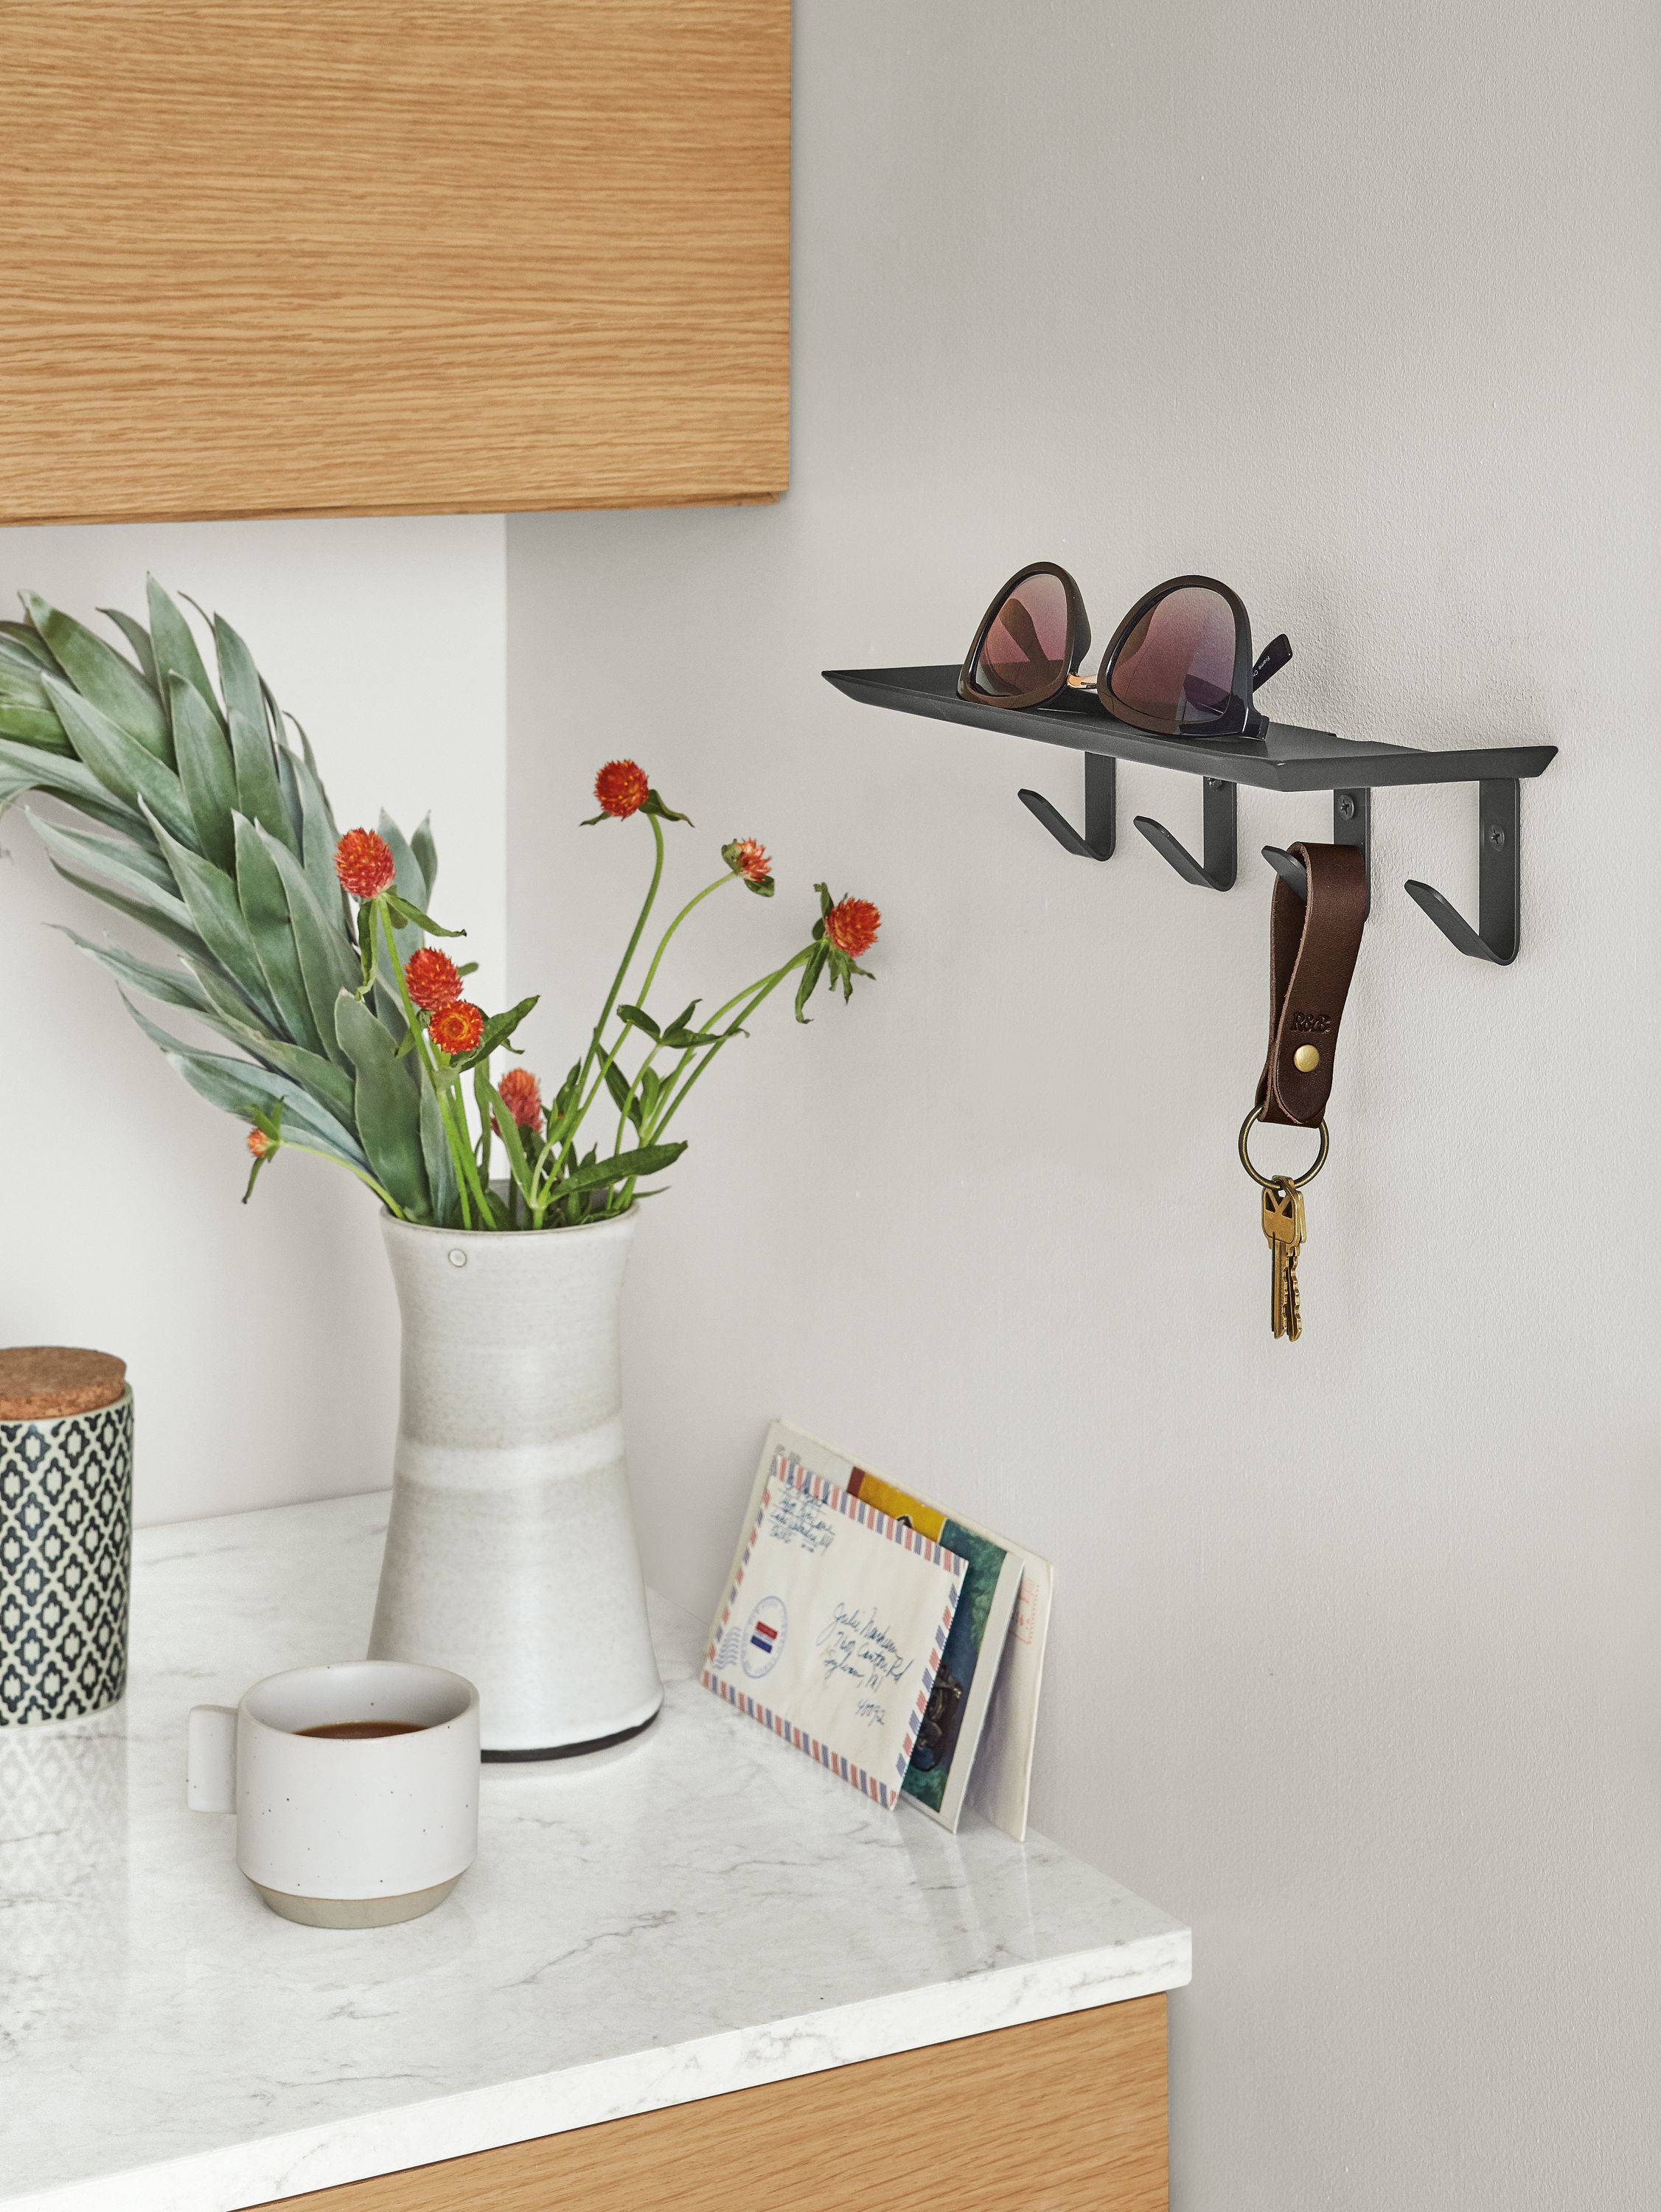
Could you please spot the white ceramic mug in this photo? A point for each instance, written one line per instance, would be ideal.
(346, 1832)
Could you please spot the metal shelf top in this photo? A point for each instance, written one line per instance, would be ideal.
(1284, 758)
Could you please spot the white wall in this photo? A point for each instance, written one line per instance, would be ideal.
(1355, 1655)
(262, 1344)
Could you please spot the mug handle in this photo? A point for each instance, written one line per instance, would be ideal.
(210, 1761)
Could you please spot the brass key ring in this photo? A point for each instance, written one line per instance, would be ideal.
(1292, 1182)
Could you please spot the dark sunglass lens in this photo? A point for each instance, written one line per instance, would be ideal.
(1025, 648)
(1178, 661)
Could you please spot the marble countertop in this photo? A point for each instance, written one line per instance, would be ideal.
(696, 1911)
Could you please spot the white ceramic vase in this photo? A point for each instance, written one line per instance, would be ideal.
(510, 1555)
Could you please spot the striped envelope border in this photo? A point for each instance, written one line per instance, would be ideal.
(786, 1467)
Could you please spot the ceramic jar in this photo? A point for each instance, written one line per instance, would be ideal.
(511, 1556)
(66, 1489)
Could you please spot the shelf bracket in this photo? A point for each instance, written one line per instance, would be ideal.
(1216, 872)
(1100, 811)
(1352, 824)
(1498, 895)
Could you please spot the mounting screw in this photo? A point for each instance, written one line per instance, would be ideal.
(1346, 808)
(1496, 836)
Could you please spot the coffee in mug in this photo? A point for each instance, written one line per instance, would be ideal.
(355, 1788)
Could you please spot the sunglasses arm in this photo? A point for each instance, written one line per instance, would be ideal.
(1270, 661)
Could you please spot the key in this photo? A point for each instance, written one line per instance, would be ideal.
(1284, 1226)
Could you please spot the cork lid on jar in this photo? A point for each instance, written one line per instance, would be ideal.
(44, 1382)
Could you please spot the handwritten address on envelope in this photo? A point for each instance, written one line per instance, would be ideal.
(833, 1626)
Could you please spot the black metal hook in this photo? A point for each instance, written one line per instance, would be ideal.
(1498, 880)
(1216, 872)
(1352, 824)
(1100, 811)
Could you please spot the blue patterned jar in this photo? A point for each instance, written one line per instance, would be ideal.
(66, 1491)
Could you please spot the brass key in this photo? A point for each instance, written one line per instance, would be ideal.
(1284, 1226)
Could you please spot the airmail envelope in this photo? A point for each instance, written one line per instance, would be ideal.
(832, 1627)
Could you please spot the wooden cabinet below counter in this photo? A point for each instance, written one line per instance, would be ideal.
(275, 257)
(1065, 2115)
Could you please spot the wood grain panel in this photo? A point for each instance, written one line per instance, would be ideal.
(317, 256)
(1063, 2116)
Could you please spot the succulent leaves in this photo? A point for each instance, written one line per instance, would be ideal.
(223, 845)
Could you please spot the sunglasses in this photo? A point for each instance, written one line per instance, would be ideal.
(1179, 663)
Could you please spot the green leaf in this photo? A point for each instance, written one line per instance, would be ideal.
(409, 882)
(25, 638)
(174, 987)
(227, 998)
(139, 638)
(435, 1155)
(810, 975)
(237, 1086)
(20, 671)
(321, 1079)
(427, 857)
(30, 768)
(649, 1159)
(33, 726)
(319, 838)
(386, 1108)
(654, 804)
(112, 687)
(120, 763)
(216, 914)
(206, 770)
(637, 1018)
(258, 794)
(238, 678)
(173, 643)
(288, 767)
(129, 867)
(264, 903)
(153, 917)
(491, 1103)
(493, 1036)
(402, 910)
(327, 961)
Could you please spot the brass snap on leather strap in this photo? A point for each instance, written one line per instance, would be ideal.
(1275, 1182)
(1313, 945)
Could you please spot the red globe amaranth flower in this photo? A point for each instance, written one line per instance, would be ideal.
(522, 1094)
(852, 926)
(364, 863)
(457, 1028)
(432, 979)
(622, 788)
(258, 1143)
(749, 861)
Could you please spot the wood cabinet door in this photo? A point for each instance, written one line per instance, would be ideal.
(1064, 2115)
(325, 256)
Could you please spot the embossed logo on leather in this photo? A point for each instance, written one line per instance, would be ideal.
(1310, 1024)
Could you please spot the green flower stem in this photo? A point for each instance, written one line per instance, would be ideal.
(580, 1103)
(292, 1145)
(673, 1096)
(727, 876)
(460, 1143)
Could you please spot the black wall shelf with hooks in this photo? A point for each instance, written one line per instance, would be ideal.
(1283, 758)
